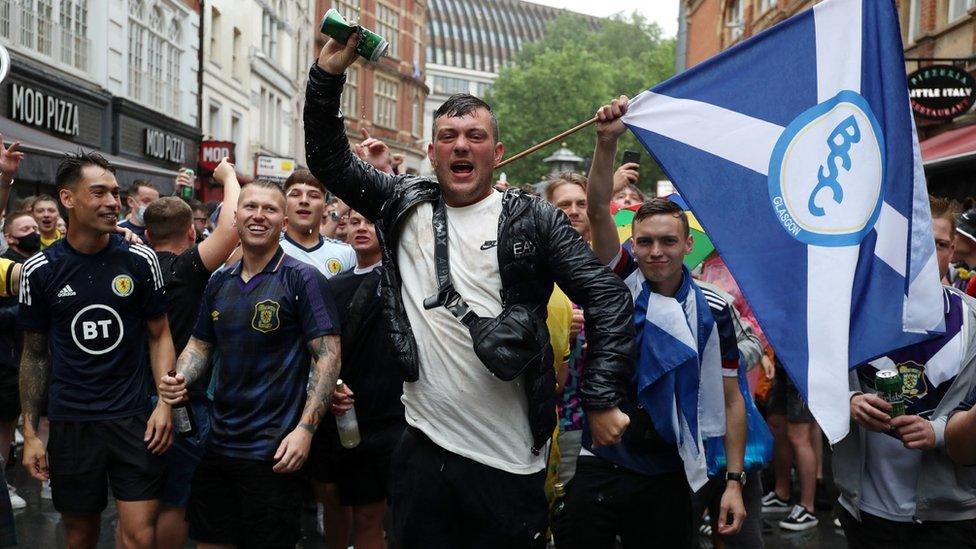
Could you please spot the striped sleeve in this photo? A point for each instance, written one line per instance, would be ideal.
(722, 312)
(149, 285)
(34, 312)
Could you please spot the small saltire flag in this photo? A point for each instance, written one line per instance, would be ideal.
(798, 153)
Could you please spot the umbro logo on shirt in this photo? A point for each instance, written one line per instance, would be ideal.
(67, 292)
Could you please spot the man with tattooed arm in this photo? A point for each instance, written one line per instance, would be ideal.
(270, 316)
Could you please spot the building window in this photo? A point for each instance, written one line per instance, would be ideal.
(155, 58)
(348, 9)
(235, 128)
(416, 118)
(766, 5)
(914, 19)
(385, 102)
(269, 35)
(214, 121)
(350, 94)
(482, 89)
(958, 8)
(388, 26)
(31, 24)
(214, 31)
(450, 86)
(734, 20)
(235, 62)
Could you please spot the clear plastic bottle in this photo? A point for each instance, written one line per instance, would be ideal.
(347, 425)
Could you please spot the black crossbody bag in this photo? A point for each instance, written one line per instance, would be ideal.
(508, 343)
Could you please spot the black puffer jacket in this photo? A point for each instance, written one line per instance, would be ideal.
(536, 247)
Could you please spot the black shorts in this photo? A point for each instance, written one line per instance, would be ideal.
(243, 502)
(83, 454)
(785, 399)
(361, 474)
(9, 395)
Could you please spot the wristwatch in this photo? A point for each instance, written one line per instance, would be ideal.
(739, 477)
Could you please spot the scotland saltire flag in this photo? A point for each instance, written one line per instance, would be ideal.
(797, 152)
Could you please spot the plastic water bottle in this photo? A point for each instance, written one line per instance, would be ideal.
(347, 425)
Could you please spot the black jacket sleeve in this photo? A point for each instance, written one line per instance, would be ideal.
(607, 306)
(327, 151)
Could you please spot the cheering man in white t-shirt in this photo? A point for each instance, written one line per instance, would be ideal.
(471, 466)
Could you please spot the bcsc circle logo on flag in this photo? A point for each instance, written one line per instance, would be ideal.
(827, 172)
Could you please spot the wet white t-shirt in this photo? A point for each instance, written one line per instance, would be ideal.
(456, 401)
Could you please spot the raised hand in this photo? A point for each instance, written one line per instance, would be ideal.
(10, 157)
(336, 57)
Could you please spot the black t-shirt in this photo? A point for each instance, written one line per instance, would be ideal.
(185, 278)
(94, 308)
(367, 366)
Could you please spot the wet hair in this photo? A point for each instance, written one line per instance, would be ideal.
(461, 104)
(661, 206)
(553, 182)
(168, 218)
(303, 177)
(72, 164)
(943, 208)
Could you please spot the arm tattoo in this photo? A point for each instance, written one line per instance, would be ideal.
(194, 360)
(322, 381)
(35, 371)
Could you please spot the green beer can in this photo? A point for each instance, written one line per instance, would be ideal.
(889, 386)
(371, 45)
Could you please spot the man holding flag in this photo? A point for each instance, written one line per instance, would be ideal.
(685, 388)
(817, 169)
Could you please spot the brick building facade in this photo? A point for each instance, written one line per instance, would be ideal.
(387, 98)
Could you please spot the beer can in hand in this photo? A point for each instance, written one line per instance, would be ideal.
(889, 386)
(371, 45)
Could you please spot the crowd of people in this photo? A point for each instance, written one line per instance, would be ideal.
(440, 362)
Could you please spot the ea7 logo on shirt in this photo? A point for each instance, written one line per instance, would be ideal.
(266, 316)
(97, 329)
(122, 285)
(827, 172)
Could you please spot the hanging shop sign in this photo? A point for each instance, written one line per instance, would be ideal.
(941, 92)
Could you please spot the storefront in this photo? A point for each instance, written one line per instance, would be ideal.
(942, 95)
(52, 113)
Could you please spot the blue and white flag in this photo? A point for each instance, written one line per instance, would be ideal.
(798, 154)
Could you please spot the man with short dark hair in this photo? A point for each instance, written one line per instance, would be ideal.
(305, 196)
(141, 194)
(686, 388)
(470, 468)
(89, 304)
(45, 212)
(200, 217)
(270, 316)
(186, 268)
(24, 239)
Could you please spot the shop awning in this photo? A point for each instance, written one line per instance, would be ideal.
(44, 152)
(953, 146)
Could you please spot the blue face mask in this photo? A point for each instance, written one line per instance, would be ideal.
(140, 215)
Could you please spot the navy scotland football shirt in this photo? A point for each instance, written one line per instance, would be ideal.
(262, 328)
(93, 308)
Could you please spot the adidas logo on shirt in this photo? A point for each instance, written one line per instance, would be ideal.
(67, 292)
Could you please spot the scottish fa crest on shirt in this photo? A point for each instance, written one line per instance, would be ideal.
(122, 285)
(334, 266)
(266, 316)
(914, 383)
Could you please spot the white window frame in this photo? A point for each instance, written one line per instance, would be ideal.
(914, 19)
(386, 95)
(388, 26)
(957, 9)
(349, 103)
(349, 9)
(55, 31)
(734, 20)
